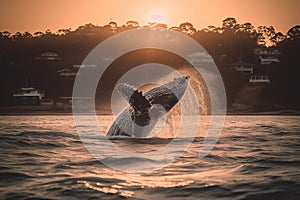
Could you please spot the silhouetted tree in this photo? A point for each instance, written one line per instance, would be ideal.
(16, 36)
(175, 28)
(187, 28)
(158, 25)
(38, 34)
(64, 31)
(6, 34)
(49, 33)
(227, 44)
(112, 26)
(27, 35)
(229, 23)
(294, 33)
(86, 27)
(248, 30)
(266, 34)
(212, 29)
(132, 24)
(278, 37)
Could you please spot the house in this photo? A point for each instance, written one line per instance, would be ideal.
(48, 56)
(85, 66)
(260, 51)
(268, 60)
(259, 79)
(199, 59)
(67, 72)
(243, 67)
(66, 103)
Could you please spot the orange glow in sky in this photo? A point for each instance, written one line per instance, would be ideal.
(39, 15)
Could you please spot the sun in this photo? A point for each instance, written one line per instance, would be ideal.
(156, 16)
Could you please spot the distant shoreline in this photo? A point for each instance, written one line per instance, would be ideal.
(285, 112)
(267, 113)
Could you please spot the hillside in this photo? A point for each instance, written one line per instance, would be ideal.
(232, 45)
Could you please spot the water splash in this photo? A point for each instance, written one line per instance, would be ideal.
(195, 102)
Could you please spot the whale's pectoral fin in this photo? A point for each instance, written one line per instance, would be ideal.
(139, 102)
(126, 90)
(134, 97)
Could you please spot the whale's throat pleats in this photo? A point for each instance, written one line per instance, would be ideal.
(139, 105)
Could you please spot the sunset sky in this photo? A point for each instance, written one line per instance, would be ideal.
(39, 15)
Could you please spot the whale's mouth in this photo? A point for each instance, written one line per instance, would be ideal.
(178, 86)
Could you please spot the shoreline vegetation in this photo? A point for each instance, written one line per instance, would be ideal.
(7, 111)
(259, 66)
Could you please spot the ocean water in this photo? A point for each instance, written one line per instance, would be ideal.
(256, 157)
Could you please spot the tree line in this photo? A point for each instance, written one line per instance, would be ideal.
(264, 35)
(230, 42)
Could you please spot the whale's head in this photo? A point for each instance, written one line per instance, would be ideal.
(178, 86)
(169, 94)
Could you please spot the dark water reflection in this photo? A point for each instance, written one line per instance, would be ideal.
(256, 157)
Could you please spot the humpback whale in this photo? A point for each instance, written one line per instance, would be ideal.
(145, 109)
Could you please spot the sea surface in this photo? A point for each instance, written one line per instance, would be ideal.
(256, 157)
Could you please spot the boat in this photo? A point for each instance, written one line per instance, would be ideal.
(28, 96)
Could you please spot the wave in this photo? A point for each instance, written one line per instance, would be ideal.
(45, 134)
(287, 133)
(260, 162)
(13, 177)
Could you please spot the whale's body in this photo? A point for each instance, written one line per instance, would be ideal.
(138, 119)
